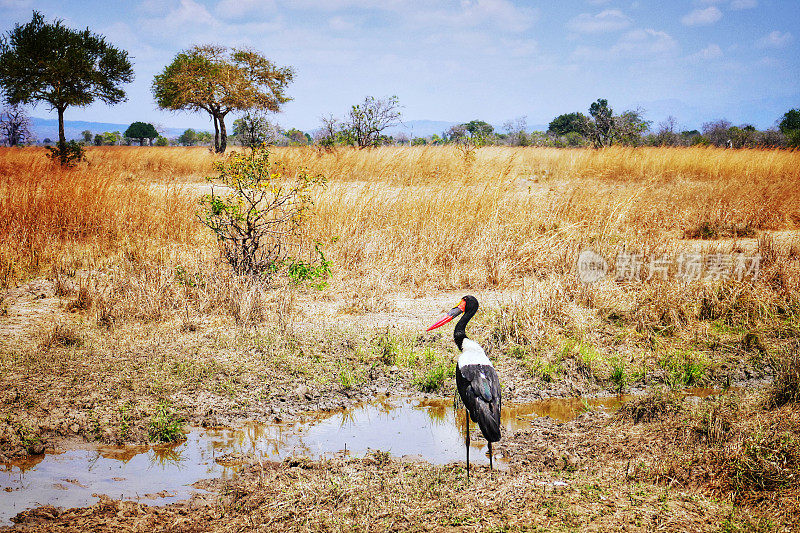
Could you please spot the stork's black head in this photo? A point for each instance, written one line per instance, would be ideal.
(471, 304)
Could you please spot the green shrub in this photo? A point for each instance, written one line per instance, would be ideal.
(258, 224)
(68, 154)
(683, 369)
(387, 348)
(435, 372)
(347, 378)
(165, 425)
(434, 377)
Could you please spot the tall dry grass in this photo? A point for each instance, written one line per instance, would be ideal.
(435, 164)
(420, 217)
(81, 216)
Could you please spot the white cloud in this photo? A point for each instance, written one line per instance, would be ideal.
(501, 14)
(702, 17)
(743, 4)
(712, 51)
(605, 21)
(769, 62)
(185, 20)
(775, 39)
(646, 44)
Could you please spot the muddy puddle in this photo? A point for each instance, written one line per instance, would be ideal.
(417, 429)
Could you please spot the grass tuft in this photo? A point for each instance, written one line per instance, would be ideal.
(657, 404)
(785, 388)
(61, 336)
(165, 425)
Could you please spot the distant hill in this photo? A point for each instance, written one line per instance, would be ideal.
(426, 128)
(48, 128)
(421, 128)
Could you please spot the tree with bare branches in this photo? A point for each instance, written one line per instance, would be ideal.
(15, 126)
(367, 121)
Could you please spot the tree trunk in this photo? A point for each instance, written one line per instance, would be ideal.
(223, 134)
(62, 140)
(216, 132)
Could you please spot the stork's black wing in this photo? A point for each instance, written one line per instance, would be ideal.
(479, 388)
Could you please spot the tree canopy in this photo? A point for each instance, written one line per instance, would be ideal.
(603, 128)
(790, 121)
(254, 129)
(141, 131)
(790, 127)
(51, 63)
(567, 123)
(219, 80)
(479, 128)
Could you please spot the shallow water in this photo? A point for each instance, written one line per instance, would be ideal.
(428, 429)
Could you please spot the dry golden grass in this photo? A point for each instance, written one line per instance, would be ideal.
(448, 164)
(82, 216)
(422, 218)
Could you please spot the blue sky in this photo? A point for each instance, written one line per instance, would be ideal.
(458, 60)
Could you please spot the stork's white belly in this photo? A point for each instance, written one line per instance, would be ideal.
(472, 354)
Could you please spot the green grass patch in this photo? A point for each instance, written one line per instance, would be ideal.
(619, 374)
(434, 371)
(165, 425)
(684, 368)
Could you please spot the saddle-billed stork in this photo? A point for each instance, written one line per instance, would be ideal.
(476, 379)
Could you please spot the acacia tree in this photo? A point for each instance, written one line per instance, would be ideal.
(219, 80)
(330, 131)
(600, 127)
(51, 63)
(15, 126)
(567, 123)
(630, 126)
(790, 126)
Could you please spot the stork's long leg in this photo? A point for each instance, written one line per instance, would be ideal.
(466, 411)
(490, 457)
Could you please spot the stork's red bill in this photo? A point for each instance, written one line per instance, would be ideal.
(451, 314)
